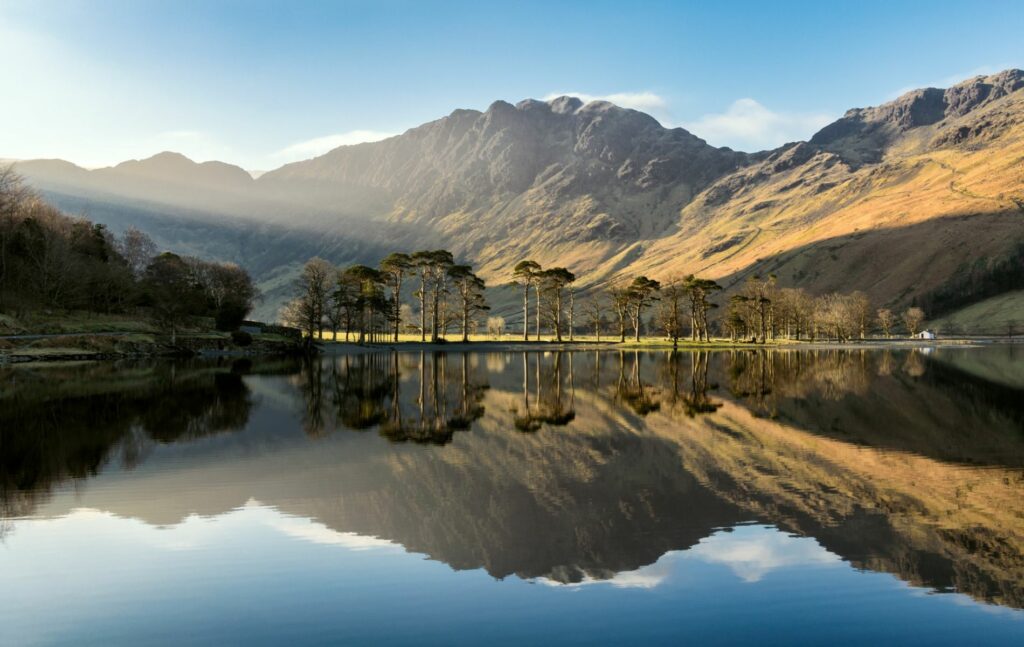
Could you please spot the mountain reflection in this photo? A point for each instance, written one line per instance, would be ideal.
(570, 467)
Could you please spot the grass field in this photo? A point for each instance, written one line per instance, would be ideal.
(56, 323)
(993, 316)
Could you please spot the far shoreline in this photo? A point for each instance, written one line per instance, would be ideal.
(344, 348)
(28, 356)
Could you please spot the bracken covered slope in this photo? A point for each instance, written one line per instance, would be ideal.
(895, 200)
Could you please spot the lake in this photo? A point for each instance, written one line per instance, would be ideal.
(777, 497)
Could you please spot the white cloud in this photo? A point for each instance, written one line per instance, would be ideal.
(745, 125)
(320, 145)
(644, 101)
(751, 552)
(645, 577)
(317, 533)
(750, 126)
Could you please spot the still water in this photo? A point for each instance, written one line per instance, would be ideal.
(539, 497)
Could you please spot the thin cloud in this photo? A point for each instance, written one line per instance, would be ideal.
(750, 126)
(319, 145)
(644, 101)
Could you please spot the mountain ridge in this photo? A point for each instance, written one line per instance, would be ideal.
(608, 191)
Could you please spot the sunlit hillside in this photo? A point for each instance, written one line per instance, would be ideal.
(920, 200)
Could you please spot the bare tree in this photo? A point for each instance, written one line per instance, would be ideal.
(496, 326)
(593, 313)
(137, 248)
(470, 291)
(913, 319)
(313, 287)
(860, 310)
(620, 305)
(886, 320)
(673, 295)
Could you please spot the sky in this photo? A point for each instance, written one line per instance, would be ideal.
(260, 84)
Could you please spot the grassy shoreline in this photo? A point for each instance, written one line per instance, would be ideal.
(108, 338)
(341, 347)
(95, 347)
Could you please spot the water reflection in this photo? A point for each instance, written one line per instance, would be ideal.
(568, 468)
(69, 423)
(427, 400)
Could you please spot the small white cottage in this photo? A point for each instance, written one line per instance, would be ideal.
(925, 334)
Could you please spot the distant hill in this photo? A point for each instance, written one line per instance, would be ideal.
(901, 200)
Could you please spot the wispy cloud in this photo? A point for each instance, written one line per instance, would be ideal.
(320, 145)
(748, 125)
(645, 101)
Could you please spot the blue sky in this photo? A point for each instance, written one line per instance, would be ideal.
(262, 83)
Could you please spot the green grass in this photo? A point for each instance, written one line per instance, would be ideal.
(72, 322)
(989, 317)
(52, 351)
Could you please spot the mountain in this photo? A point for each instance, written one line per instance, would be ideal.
(536, 179)
(901, 201)
(167, 179)
(918, 200)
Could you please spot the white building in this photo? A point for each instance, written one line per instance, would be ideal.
(925, 334)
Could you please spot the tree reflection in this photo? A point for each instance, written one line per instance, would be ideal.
(631, 391)
(554, 398)
(48, 437)
(371, 390)
(691, 401)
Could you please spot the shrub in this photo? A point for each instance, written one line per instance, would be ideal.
(241, 338)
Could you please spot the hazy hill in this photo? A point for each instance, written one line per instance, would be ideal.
(904, 200)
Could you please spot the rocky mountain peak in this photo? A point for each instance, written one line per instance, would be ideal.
(972, 93)
(862, 134)
(565, 105)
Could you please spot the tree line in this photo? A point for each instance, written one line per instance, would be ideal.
(52, 261)
(367, 302)
(762, 311)
(678, 307)
(681, 300)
